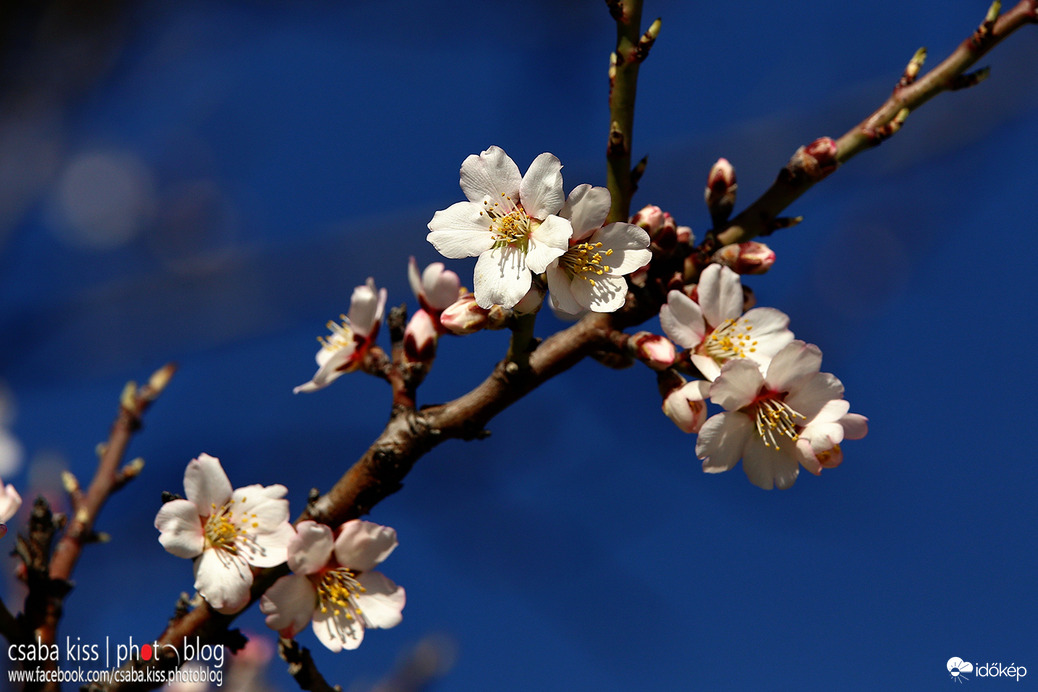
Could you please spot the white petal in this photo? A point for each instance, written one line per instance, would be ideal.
(607, 294)
(813, 392)
(629, 245)
(737, 385)
(440, 286)
(223, 580)
(855, 426)
(461, 230)
(492, 174)
(541, 189)
(548, 241)
(832, 412)
(10, 500)
(686, 405)
(587, 208)
(559, 287)
(414, 278)
(361, 545)
(770, 333)
(706, 365)
(721, 440)
(720, 294)
(381, 602)
(337, 632)
(206, 484)
(682, 320)
(181, 528)
(289, 604)
(767, 467)
(794, 361)
(501, 277)
(311, 548)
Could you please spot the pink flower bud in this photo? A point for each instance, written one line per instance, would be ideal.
(684, 235)
(720, 191)
(652, 349)
(420, 338)
(686, 405)
(814, 161)
(463, 316)
(649, 218)
(435, 288)
(750, 257)
(660, 226)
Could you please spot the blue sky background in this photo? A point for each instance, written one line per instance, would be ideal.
(209, 182)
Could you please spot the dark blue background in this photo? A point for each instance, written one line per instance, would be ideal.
(274, 155)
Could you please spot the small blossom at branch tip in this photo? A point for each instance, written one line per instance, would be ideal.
(686, 405)
(778, 419)
(652, 349)
(420, 338)
(589, 275)
(435, 288)
(226, 532)
(334, 585)
(344, 349)
(720, 191)
(751, 257)
(713, 327)
(463, 316)
(510, 222)
(10, 502)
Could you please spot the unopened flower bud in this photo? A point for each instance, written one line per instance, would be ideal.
(420, 338)
(464, 316)
(686, 405)
(750, 257)
(436, 288)
(684, 235)
(656, 351)
(649, 218)
(720, 191)
(660, 226)
(814, 161)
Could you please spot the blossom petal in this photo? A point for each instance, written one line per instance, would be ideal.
(206, 484)
(264, 516)
(366, 308)
(311, 548)
(548, 241)
(461, 230)
(855, 426)
(629, 245)
(333, 363)
(813, 392)
(770, 333)
(381, 602)
(793, 361)
(720, 294)
(492, 174)
(181, 528)
(223, 579)
(682, 320)
(338, 632)
(686, 405)
(560, 289)
(440, 286)
(361, 545)
(737, 385)
(721, 440)
(289, 604)
(768, 467)
(606, 294)
(586, 208)
(501, 277)
(541, 189)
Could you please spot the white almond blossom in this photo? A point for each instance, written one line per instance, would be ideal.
(715, 330)
(509, 222)
(333, 584)
(226, 532)
(344, 350)
(589, 275)
(789, 416)
(10, 502)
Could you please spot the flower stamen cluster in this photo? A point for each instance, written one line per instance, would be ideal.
(585, 259)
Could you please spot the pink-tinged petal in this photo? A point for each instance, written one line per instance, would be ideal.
(720, 294)
(264, 505)
(501, 277)
(721, 440)
(361, 545)
(10, 501)
(440, 286)
(541, 188)
(767, 467)
(737, 386)
(269, 548)
(206, 484)
(559, 288)
(586, 208)
(181, 528)
(706, 365)
(223, 579)
(311, 548)
(381, 602)
(334, 363)
(629, 245)
(855, 426)
(793, 361)
(337, 632)
(414, 278)
(769, 331)
(686, 405)
(607, 294)
(831, 412)
(366, 308)
(682, 320)
(492, 174)
(812, 392)
(806, 456)
(548, 241)
(289, 604)
(461, 230)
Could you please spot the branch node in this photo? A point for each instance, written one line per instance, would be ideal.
(912, 70)
(645, 42)
(970, 79)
